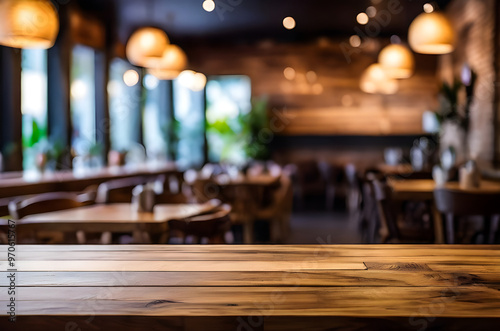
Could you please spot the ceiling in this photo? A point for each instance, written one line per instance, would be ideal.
(236, 21)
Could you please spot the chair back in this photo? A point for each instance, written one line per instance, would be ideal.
(205, 189)
(387, 217)
(209, 228)
(464, 203)
(170, 188)
(119, 190)
(44, 203)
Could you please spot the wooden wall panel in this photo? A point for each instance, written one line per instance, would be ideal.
(332, 104)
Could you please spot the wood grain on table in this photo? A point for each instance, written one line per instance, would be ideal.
(351, 287)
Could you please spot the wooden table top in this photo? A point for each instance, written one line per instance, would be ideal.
(15, 184)
(119, 213)
(423, 189)
(361, 281)
(111, 217)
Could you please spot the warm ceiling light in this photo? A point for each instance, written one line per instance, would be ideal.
(428, 8)
(311, 76)
(28, 23)
(355, 41)
(371, 11)
(131, 77)
(200, 80)
(173, 58)
(362, 18)
(398, 61)
(192, 80)
(173, 61)
(146, 46)
(431, 33)
(209, 5)
(289, 73)
(164, 74)
(289, 23)
(376, 80)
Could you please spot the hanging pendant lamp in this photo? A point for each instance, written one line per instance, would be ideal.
(375, 80)
(398, 61)
(28, 23)
(172, 63)
(432, 33)
(146, 46)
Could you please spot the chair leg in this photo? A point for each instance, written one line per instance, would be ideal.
(450, 229)
(248, 232)
(492, 229)
(330, 198)
(106, 238)
(80, 237)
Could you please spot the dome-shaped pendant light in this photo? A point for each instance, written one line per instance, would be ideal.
(146, 46)
(28, 23)
(432, 33)
(398, 61)
(172, 63)
(375, 80)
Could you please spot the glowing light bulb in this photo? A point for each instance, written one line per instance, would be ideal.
(362, 18)
(289, 23)
(131, 77)
(428, 8)
(209, 5)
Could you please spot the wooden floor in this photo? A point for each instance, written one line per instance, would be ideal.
(315, 287)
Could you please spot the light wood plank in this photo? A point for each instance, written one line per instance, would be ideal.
(223, 301)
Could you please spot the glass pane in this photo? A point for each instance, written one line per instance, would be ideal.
(33, 105)
(189, 126)
(83, 99)
(156, 118)
(124, 93)
(228, 101)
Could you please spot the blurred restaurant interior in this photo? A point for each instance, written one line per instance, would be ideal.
(171, 122)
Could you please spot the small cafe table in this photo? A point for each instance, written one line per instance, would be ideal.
(308, 287)
(423, 190)
(118, 217)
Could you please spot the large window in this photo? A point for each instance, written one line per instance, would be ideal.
(228, 103)
(124, 90)
(34, 105)
(83, 100)
(189, 125)
(156, 119)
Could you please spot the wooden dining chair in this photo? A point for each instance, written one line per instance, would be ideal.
(205, 189)
(171, 188)
(278, 211)
(44, 203)
(457, 203)
(119, 190)
(390, 229)
(368, 216)
(211, 228)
